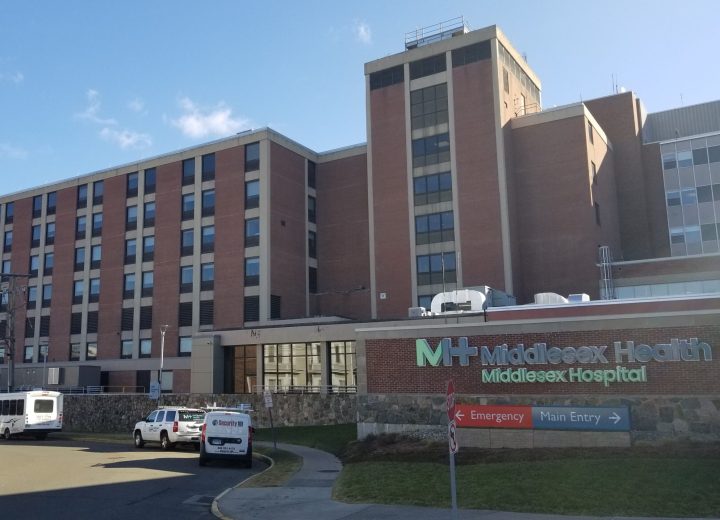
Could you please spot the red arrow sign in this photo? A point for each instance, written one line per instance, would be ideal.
(486, 416)
(450, 401)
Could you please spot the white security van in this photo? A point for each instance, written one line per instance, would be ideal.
(228, 435)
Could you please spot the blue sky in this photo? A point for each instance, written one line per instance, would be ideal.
(88, 85)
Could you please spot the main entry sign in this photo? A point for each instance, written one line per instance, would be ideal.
(543, 417)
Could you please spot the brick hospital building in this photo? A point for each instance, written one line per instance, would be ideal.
(269, 261)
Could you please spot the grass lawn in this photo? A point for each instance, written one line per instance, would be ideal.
(332, 439)
(615, 485)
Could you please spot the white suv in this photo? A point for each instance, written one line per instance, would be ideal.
(169, 426)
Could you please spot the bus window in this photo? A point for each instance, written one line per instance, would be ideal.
(43, 406)
(20, 406)
(13, 407)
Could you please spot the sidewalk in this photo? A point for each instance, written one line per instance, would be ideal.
(308, 495)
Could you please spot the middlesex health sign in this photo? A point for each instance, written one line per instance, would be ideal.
(543, 363)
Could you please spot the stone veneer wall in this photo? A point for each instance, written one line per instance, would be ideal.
(654, 420)
(115, 413)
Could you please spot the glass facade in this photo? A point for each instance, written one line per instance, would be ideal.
(691, 175)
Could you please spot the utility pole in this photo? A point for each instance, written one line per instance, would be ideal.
(8, 292)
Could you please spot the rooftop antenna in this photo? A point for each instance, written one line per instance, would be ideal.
(681, 99)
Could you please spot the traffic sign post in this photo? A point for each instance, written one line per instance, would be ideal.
(267, 397)
(452, 444)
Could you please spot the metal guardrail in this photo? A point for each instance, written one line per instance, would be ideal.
(433, 33)
(306, 389)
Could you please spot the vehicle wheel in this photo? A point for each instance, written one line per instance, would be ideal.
(6, 434)
(165, 442)
(202, 460)
(41, 436)
(196, 446)
(139, 442)
(248, 458)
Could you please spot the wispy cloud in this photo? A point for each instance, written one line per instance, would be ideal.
(126, 138)
(12, 152)
(92, 111)
(14, 77)
(362, 32)
(201, 122)
(137, 105)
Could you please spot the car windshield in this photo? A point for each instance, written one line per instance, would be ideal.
(192, 415)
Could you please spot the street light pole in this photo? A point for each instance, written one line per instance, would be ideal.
(163, 330)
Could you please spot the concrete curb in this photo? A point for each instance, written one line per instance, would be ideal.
(215, 508)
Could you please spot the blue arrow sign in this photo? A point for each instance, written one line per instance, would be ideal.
(575, 418)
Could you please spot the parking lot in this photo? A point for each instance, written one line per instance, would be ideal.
(69, 479)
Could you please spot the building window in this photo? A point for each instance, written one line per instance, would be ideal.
(186, 242)
(130, 250)
(434, 228)
(188, 172)
(252, 194)
(98, 190)
(9, 212)
(148, 248)
(208, 239)
(132, 184)
(127, 318)
(251, 308)
(188, 206)
(80, 227)
(145, 348)
(126, 349)
(131, 218)
(312, 280)
(471, 53)
(49, 264)
(597, 213)
(593, 172)
(30, 327)
(312, 244)
(207, 276)
(431, 189)
(684, 158)
(129, 286)
(436, 269)
(431, 150)
(425, 300)
(669, 161)
(291, 366)
(429, 106)
(37, 206)
(50, 233)
(312, 209)
(149, 181)
(185, 346)
(207, 312)
(34, 265)
(343, 366)
(91, 352)
(252, 232)
(252, 157)
(79, 258)
(427, 66)
(46, 295)
(75, 351)
(28, 354)
(208, 167)
(208, 203)
(78, 291)
(82, 194)
(149, 215)
(387, 77)
(76, 323)
(95, 256)
(35, 236)
(245, 369)
(185, 310)
(591, 137)
(186, 279)
(147, 283)
(275, 307)
(51, 203)
(97, 224)
(44, 330)
(6, 269)
(252, 271)
(146, 317)
(7, 242)
(94, 295)
(32, 292)
(311, 166)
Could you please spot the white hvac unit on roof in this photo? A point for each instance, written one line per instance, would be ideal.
(549, 298)
(461, 300)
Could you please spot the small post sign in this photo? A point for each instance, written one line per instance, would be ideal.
(267, 397)
(154, 390)
(452, 444)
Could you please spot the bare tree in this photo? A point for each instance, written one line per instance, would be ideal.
(9, 293)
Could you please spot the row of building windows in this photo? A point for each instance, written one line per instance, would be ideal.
(689, 158)
(429, 106)
(693, 196)
(434, 227)
(431, 150)
(517, 70)
(436, 269)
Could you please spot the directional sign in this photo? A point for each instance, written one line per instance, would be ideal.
(267, 397)
(574, 418)
(154, 390)
(543, 417)
(481, 416)
(450, 397)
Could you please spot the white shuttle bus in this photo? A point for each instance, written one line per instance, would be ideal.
(35, 413)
